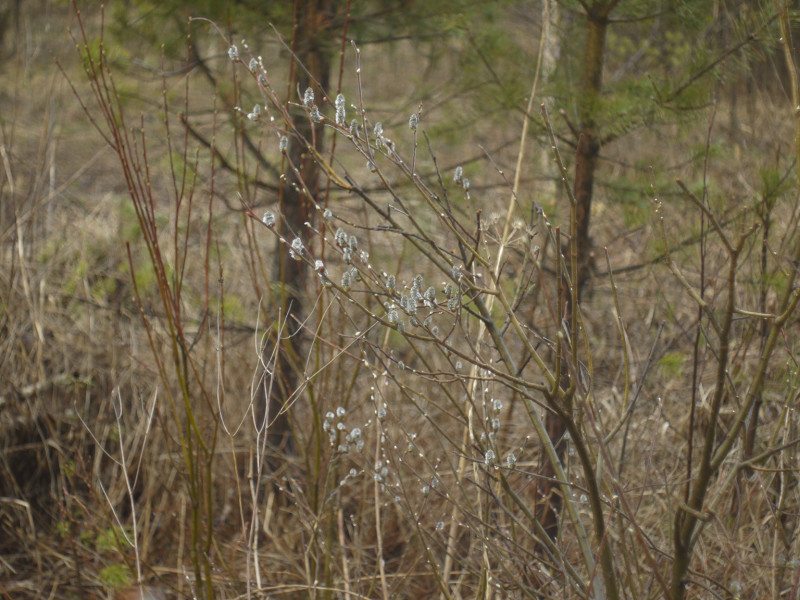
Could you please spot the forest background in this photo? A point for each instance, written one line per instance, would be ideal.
(377, 299)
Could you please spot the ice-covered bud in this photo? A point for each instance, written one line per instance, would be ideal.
(269, 218)
(413, 121)
(233, 52)
(308, 98)
(458, 174)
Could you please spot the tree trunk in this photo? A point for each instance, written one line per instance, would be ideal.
(588, 149)
(587, 153)
(296, 209)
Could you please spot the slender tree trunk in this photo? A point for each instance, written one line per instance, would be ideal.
(312, 69)
(588, 151)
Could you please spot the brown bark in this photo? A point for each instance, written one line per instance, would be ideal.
(587, 154)
(312, 69)
(588, 149)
